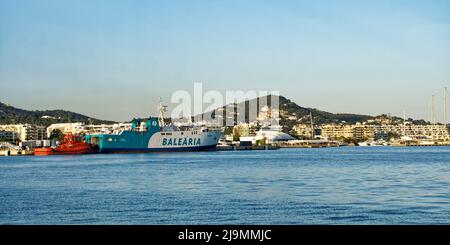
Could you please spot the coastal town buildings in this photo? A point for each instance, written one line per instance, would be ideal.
(23, 132)
(65, 128)
(302, 130)
(382, 128)
(336, 131)
(376, 131)
(8, 135)
(363, 132)
(81, 128)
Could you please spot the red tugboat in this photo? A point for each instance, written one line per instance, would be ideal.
(72, 144)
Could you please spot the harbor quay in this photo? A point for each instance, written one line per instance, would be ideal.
(21, 139)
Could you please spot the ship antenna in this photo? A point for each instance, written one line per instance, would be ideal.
(162, 109)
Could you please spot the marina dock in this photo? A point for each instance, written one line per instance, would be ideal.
(308, 144)
(246, 148)
(16, 152)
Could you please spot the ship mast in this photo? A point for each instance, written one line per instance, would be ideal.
(312, 125)
(162, 109)
(433, 120)
(445, 106)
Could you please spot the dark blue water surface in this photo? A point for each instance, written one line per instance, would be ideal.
(347, 185)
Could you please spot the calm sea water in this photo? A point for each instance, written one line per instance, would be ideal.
(347, 185)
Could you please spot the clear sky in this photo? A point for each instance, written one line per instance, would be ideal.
(110, 59)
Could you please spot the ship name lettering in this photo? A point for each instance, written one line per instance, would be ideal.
(180, 141)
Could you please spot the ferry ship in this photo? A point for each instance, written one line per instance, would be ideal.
(154, 135)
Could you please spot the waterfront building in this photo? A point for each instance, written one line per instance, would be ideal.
(337, 131)
(363, 132)
(8, 135)
(436, 132)
(378, 131)
(302, 130)
(24, 132)
(65, 128)
(81, 128)
(105, 128)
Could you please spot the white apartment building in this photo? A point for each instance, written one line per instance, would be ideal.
(81, 128)
(335, 131)
(25, 132)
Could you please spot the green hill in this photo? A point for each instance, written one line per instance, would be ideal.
(12, 115)
(292, 114)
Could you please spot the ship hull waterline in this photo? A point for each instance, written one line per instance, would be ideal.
(150, 150)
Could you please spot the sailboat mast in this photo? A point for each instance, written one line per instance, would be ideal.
(445, 105)
(433, 120)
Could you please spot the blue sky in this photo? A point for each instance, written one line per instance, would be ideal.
(111, 59)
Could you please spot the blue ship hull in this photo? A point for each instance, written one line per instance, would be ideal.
(144, 150)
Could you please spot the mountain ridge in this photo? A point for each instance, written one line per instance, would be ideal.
(288, 111)
(13, 115)
(292, 114)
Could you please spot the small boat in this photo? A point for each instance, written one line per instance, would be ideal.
(363, 143)
(72, 144)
